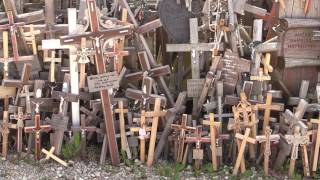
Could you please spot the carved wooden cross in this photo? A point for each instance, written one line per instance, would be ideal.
(49, 154)
(297, 139)
(245, 139)
(213, 131)
(20, 117)
(59, 123)
(172, 114)
(155, 114)
(317, 146)
(83, 129)
(96, 35)
(267, 107)
(182, 128)
(53, 60)
(198, 139)
(267, 138)
(13, 27)
(37, 128)
(124, 142)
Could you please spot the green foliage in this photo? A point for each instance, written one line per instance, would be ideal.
(71, 149)
(171, 170)
(296, 176)
(207, 168)
(246, 174)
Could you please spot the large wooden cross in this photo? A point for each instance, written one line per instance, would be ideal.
(267, 138)
(182, 128)
(297, 139)
(317, 146)
(213, 131)
(124, 141)
(155, 114)
(245, 139)
(59, 123)
(97, 35)
(20, 117)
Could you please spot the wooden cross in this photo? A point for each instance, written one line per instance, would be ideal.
(5, 127)
(96, 35)
(30, 17)
(172, 114)
(83, 59)
(267, 107)
(49, 154)
(317, 146)
(213, 131)
(155, 114)
(117, 53)
(267, 138)
(53, 60)
(267, 68)
(198, 139)
(24, 78)
(245, 139)
(59, 123)
(124, 141)
(20, 117)
(83, 129)
(13, 27)
(294, 119)
(25, 93)
(31, 38)
(304, 87)
(297, 139)
(182, 128)
(5, 60)
(146, 69)
(64, 97)
(37, 128)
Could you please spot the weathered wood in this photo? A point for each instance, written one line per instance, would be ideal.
(317, 146)
(49, 154)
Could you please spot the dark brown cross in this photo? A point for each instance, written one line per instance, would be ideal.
(97, 35)
(117, 53)
(64, 96)
(182, 129)
(37, 128)
(5, 127)
(13, 27)
(197, 139)
(20, 117)
(83, 129)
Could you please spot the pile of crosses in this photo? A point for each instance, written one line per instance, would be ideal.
(92, 68)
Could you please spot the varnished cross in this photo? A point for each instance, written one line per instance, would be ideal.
(155, 114)
(213, 131)
(197, 139)
(183, 128)
(267, 107)
(297, 139)
(245, 139)
(49, 154)
(317, 146)
(267, 138)
(20, 117)
(53, 60)
(124, 141)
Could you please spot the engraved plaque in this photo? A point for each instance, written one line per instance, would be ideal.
(194, 87)
(298, 43)
(197, 154)
(104, 81)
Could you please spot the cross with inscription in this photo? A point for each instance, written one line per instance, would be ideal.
(97, 35)
(20, 117)
(267, 138)
(182, 128)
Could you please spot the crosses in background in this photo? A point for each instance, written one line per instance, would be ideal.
(317, 146)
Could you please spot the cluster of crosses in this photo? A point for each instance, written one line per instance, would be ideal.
(75, 81)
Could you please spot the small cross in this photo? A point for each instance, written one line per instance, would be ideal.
(49, 154)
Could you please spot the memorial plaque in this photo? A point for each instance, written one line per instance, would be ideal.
(194, 87)
(197, 154)
(104, 81)
(298, 43)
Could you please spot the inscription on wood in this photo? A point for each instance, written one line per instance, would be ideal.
(298, 43)
(103, 81)
(194, 87)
